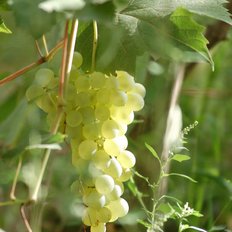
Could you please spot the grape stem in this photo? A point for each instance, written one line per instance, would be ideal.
(45, 45)
(24, 217)
(38, 48)
(95, 40)
(32, 65)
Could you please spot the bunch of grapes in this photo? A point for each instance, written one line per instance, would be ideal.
(97, 111)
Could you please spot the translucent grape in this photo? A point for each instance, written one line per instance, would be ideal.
(77, 59)
(82, 83)
(122, 114)
(99, 228)
(97, 80)
(104, 215)
(139, 89)
(94, 199)
(103, 96)
(73, 118)
(112, 148)
(83, 99)
(90, 216)
(126, 81)
(113, 168)
(110, 129)
(74, 132)
(118, 98)
(88, 114)
(45, 103)
(100, 159)
(34, 92)
(135, 102)
(91, 131)
(119, 207)
(87, 149)
(43, 76)
(112, 83)
(126, 175)
(102, 112)
(115, 193)
(104, 184)
(126, 159)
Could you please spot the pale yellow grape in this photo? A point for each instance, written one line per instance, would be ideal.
(73, 118)
(90, 216)
(34, 92)
(83, 99)
(77, 59)
(100, 159)
(126, 81)
(126, 175)
(104, 184)
(53, 83)
(87, 149)
(115, 193)
(45, 103)
(122, 128)
(74, 74)
(74, 132)
(104, 215)
(93, 171)
(82, 83)
(97, 80)
(126, 159)
(88, 114)
(119, 207)
(121, 141)
(99, 228)
(103, 96)
(110, 129)
(135, 102)
(113, 168)
(43, 76)
(102, 112)
(139, 89)
(111, 147)
(93, 96)
(94, 199)
(91, 131)
(118, 98)
(70, 93)
(122, 114)
(112, 83)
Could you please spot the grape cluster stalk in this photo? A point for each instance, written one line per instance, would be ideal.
(98, 108)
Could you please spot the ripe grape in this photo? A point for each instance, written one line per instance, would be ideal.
(43, 76)
(77, 59)
(126, 159)
(99, 228)
(104, 184)
(110, 129)
(94, 199)
(87, 149)
(73, 118)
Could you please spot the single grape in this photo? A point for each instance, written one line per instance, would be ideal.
(112, 147)
(91, 131)
(112, 83)
(94, 199)
(90, 216)
(104, 215)
(104, 184)
(119, 207)
(113, 168)
(118, 98)
(83, 99)
(97, 80)
(73, 118)
(99, 228)
(115, 193)
(126, 81)
(102, 112)
(103, 96)
(74, 132)
(126, 175)
(100, 159)
(88, 115)
(45, 103)
(139, 89)
(122, 114)
(110, 129)
(126, 159)
(135, 102)
(87, 149)
(34, 92)
(43, 76)
(82, 83)
(77, 59)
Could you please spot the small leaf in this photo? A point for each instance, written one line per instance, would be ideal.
(57, 138)
(53, 146)
(153, 152)
(180, 157)
(147, 225)
(197, 228)
(3, 27)
(181, 175)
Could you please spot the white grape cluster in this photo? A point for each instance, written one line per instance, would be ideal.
(98, 109)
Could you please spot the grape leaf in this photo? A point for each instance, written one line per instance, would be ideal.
(3, 27)
(180, 157)
(147, 10)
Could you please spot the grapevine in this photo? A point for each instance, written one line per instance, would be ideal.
(97, 110)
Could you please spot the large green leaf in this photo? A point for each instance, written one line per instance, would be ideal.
(148, 9)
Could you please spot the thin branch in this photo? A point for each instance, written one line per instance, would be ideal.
(38, 48)
(95, 40)
(32, 65)
(24, 217)
(45, 45)
(63, 64)
(12, 192)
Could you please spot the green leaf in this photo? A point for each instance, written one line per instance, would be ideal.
(180, 157)
(53, 146)
(153, 152)
(147, 9)
(181, 175)
(190, 33)
(145, 224)
(3, 27)
(57, 138)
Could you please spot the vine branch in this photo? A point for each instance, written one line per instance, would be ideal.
(95, 40)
